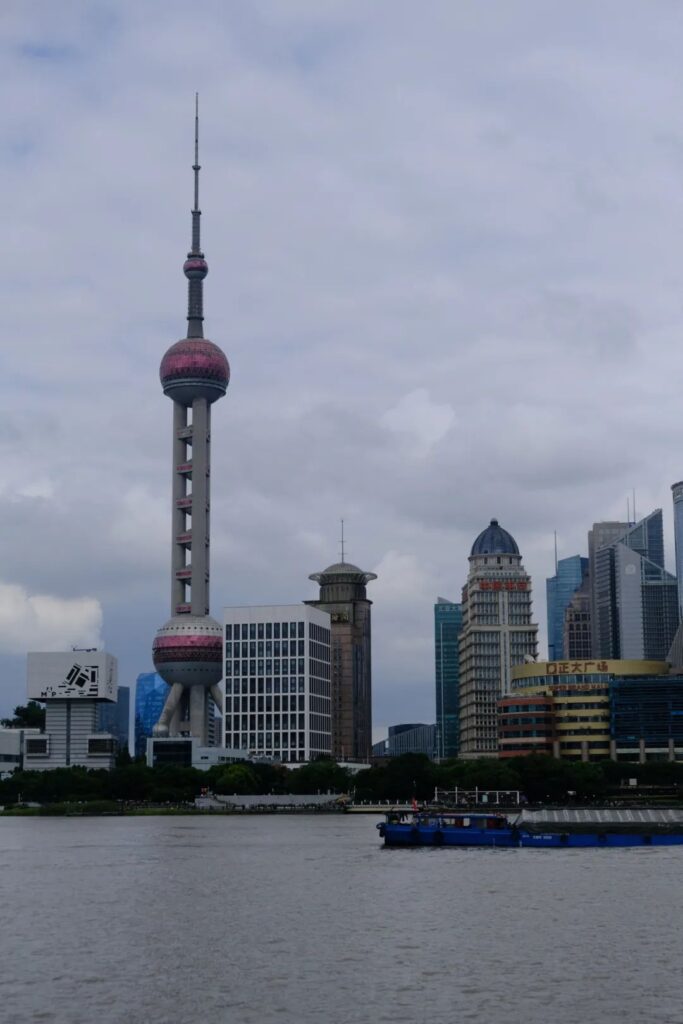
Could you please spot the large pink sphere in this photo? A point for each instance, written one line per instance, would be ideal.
(194, 368)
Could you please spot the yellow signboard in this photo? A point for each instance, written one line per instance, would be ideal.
(612, 667)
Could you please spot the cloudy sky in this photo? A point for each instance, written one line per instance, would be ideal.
(445, 249)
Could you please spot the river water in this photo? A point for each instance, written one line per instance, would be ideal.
(257, 920)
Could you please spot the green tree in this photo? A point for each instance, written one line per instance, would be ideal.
(133, 782)
(588, 780)
(26, 716)
(123, 757)
(176, 784)
(237, 778)
(321, 776)
(402, 778)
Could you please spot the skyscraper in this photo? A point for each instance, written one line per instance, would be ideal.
(497, 633)
(343, 595)
(188, 648)
(559, 590)
(600, 536)
(677, 491)
(636, 599)
(447, 626)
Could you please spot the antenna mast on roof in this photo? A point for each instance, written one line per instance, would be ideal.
(342, 541)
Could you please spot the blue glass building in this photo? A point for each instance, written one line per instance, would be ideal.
(150, 696)
(646, 718)
(559, 590)
(447, 627)
(115, 718)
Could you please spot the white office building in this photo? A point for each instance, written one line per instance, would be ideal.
(13, 749)
(277, 681)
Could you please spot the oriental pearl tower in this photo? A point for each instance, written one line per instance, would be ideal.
(194, 373)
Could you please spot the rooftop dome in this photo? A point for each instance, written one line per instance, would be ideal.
(340, 567)
(343, 569)
(494, 540)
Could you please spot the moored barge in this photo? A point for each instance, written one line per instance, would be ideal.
(539, 829)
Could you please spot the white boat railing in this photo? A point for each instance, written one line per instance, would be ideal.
(477, 797)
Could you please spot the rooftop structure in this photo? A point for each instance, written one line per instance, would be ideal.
(494, 540)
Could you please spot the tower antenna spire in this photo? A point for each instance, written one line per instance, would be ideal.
(196, 267)
(196, 166)
(342, 541)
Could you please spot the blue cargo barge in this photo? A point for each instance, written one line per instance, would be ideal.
(536, 829)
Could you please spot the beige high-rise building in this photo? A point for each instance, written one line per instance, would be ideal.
(343, 595)
(497, 633)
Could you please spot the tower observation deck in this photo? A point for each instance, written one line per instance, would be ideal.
(194, 373)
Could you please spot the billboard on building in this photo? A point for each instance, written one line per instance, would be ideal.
(74, 675)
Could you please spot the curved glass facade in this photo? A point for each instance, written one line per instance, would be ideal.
(150, 696)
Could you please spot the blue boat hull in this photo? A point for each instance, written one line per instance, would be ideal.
(408, 834)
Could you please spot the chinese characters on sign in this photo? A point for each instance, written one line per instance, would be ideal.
(561, 668)
(503, 585)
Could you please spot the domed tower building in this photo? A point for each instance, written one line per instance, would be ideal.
(497, 633)
(343, 595)
(188, 648)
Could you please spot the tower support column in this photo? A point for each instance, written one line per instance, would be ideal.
(178, 514)
(201, 422)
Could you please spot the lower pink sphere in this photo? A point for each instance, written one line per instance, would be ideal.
(188, 649)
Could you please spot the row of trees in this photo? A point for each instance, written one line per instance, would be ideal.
(134, 782)
(540, 779)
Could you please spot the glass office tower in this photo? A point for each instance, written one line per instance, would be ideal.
(560, 589)
(447, 626)
(150, 696)
(115, 718)
(636, 607)
(677, 491)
